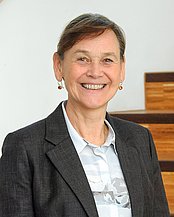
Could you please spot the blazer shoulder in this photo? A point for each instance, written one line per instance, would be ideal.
(26, 136)
(36, 128)
(34, 134)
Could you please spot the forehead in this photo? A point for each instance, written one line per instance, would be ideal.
(106, 42)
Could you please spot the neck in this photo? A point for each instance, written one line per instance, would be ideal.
(89, 123)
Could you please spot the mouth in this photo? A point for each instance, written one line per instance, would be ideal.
(93, 86)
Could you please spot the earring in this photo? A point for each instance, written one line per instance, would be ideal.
(60, 85)
(120, 86)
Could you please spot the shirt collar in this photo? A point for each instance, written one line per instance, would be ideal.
(79, 142)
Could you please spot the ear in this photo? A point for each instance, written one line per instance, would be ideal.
(57, 66)
(122, 68)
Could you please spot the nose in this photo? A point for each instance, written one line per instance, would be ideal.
(95, 70)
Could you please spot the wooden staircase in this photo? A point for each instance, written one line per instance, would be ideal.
(159, 118)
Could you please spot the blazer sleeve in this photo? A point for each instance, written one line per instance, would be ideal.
(15, 179)
(160, 208)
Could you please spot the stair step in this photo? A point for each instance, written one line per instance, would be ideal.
(159, 90)
(146, 116)
(168, 180)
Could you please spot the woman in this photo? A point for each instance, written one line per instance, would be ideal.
(80, 161)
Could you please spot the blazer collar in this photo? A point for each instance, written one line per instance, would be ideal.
(56, 129)
(65, 158)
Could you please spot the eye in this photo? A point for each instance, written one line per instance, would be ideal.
(108, 60)
(83, 59)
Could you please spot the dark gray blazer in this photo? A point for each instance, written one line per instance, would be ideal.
(41, 174)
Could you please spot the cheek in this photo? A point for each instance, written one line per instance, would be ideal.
(115, 76)
(67, 73)
(73, 74)
(70, 78)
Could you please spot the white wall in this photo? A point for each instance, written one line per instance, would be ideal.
(29, 32)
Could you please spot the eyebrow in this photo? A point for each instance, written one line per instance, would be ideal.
(104, 54)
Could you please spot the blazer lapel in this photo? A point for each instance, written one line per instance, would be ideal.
(130, 164)
(65, 159)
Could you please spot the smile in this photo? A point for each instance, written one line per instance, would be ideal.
(93, 86)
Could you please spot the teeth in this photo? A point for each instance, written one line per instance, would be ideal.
(93, 86)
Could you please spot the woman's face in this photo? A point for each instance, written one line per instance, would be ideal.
(92, 71)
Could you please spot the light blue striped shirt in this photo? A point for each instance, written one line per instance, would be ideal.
(104, 174)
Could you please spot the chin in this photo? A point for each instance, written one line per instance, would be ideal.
(95, 104)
